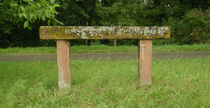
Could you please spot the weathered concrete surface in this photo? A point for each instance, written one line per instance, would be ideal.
(145, 62)
(63, 61)
(104, 32)
(103, 56)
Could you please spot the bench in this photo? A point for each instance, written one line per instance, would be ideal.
(144, 35)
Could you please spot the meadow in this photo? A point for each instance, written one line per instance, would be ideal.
(103, 84)
(105, 49)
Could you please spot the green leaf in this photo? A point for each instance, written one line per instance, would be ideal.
(28, 0)
(48, 22)
(43, 18)
(52, 1)
(56, 5)
(25, 24)
(13, 4)
(22, 8)
(24, 14)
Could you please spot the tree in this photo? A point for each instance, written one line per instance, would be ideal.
(17, 15)
(28, 11)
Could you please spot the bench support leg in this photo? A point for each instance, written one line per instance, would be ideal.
(63, 61)
(144, 59)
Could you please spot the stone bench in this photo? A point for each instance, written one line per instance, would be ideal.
(144, 35)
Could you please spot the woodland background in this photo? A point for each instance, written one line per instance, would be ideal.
(20, 19)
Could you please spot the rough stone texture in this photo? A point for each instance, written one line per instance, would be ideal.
(104, 32)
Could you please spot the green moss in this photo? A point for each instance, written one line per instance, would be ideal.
(103, 32)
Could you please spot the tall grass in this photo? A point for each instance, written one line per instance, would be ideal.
(105, 49)
(176, 83)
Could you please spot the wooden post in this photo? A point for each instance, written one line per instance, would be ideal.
(63, 61)
(144, 59)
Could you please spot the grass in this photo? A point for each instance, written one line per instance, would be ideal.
(105, 49)
(176, 83)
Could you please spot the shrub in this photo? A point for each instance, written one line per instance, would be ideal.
(193, 28)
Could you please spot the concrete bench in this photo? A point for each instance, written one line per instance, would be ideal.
(144, 35)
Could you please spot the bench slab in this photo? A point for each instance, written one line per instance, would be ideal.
(104, 32)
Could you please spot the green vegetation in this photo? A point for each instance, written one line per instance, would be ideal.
(176, 83)
(189, 19)
(26, 12)
(181, 48)
(106, 49)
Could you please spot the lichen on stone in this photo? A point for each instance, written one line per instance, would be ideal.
(104, 32)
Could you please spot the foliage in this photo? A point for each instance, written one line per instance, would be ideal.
(16, 15)
(116, 14)
(192, 28)
(28, 11)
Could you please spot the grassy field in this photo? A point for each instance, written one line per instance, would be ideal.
(176, 83)
(105, 49)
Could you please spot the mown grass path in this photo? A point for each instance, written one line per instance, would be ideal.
(105, 49)
(104, 56)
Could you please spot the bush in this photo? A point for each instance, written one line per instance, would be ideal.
(193, 28)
